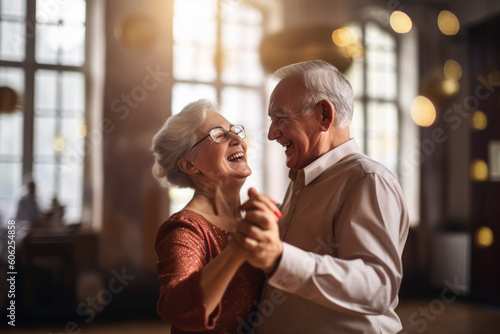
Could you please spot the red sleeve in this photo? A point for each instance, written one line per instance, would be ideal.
(181, 245)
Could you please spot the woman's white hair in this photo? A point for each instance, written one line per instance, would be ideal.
(323, 81)
(174, 141)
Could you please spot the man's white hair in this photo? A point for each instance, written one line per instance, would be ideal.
(323, 81)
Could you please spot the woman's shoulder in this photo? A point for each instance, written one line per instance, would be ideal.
(185, 219)
(186, 222)
(188, 216)
(190, 229)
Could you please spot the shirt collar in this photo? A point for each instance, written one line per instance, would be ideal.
(330, 158)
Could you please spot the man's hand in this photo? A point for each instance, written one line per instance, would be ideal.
(258, 234)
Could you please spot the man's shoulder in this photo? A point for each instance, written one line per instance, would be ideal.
(360, 164)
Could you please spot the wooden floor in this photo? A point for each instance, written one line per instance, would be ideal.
(417, 315)
(455, 317)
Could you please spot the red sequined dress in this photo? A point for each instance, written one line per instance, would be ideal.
(185, 243)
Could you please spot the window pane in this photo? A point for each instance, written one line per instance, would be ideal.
(242, 106)
(383, 139)
(73, 142)
(194, 63)
(238, 36)
(355, 76)
(381, 63)
(58, 144)
(241, 36)
(237, 11)
(44, 138)
(199, 9)
(44, 176)
(242, 67)
(73, 94)
(10, 184)
(183, 93)
(356, 129)
(64, 44)
(190, 31)
(195, 32)
(67, 11)
(194, 22)
(13, 78)
(381, 84)
(376, 38)
(71, 179)
(12, 40)
(11, 139)
(46, 87)
(13, 9)
(72, 11)
(72, 44)
(10, 179)
(47, 43)
(381, 60)
(48, 11)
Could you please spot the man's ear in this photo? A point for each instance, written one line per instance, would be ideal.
(187, 166)
(327, 115)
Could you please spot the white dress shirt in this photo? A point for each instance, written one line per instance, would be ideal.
(344, 227)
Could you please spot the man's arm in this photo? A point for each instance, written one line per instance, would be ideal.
(366, 275)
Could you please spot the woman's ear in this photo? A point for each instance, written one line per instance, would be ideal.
(187, 166)
(327, 115)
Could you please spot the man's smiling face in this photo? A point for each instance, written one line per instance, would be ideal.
(297, 133)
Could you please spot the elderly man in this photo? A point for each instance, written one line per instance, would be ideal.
(334, 266)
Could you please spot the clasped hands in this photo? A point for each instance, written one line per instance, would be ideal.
(256, 236)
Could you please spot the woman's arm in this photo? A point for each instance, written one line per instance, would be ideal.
(192, 283)
(216, 276)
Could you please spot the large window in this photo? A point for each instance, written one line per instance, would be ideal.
(216, 57)
(381, 122)
(42, 57)
(375, 122)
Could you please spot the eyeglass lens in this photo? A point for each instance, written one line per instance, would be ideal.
(220, 135)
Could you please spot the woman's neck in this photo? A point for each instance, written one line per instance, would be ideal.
(219, 206)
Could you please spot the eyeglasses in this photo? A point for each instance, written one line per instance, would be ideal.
(220, 135)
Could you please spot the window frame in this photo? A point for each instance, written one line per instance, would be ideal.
(364, 99)
(218, 84)
(30, 66)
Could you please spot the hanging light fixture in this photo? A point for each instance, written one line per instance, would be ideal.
(10, 100)
(299, 44)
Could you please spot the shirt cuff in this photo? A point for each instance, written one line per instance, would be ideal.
(295, 268)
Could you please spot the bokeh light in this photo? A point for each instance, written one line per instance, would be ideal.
(400, 22)
(344, 37)
(450, 87)
(479, 120)
(59, 144)
(452, 70)
(423, 111)
(479, 170)
(484, 237)
(82, 131)
(448, 23)
(355, 50)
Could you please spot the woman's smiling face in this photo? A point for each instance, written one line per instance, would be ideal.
(220, 161)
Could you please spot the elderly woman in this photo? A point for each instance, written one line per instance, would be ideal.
(205, 283)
